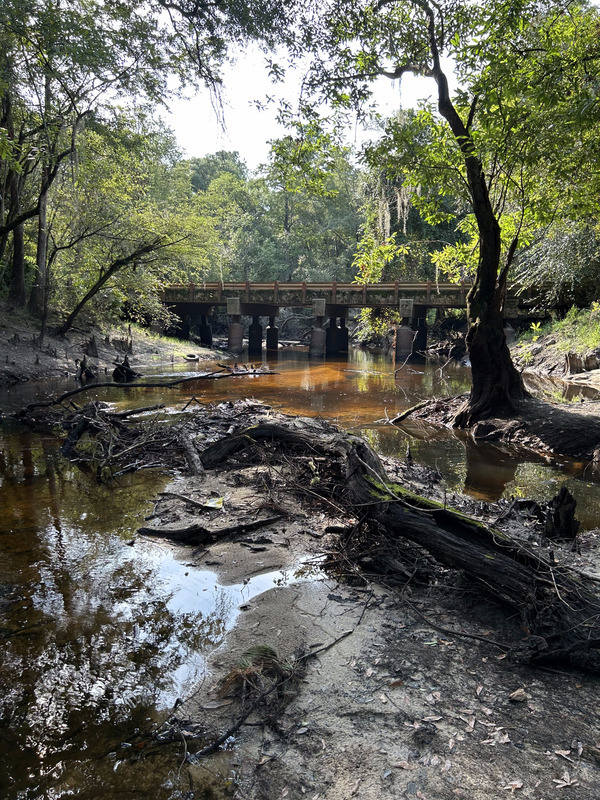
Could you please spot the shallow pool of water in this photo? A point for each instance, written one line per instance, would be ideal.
(100, 637)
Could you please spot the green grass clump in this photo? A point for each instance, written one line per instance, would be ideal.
(579, 331)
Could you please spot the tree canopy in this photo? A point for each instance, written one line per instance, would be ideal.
(494, 145)
(94, 191)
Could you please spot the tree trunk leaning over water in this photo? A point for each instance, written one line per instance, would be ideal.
(558, 608)
(496, 382)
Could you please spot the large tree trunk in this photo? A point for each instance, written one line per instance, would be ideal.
(496, 383)
(559, 609)
(17, 292)
(36, 298)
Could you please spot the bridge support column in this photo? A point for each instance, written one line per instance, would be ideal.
(205, 331)
(235, 336)
(331, 340)
(272, 335)
(343, 336)
(255, 337)
(403, 345)
(318, 340)
(318, 336)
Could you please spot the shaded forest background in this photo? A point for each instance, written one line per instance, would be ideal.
(97, 199)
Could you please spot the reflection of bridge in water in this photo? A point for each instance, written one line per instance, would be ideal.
(195, 303)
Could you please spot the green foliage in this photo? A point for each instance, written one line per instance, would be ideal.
(205, 170)
(563, 264)
(579, 331)
(375, 323)
(66, 65)
(372, 258)
(527, 103)
(126, 191)
(305, 161)
(535, 328)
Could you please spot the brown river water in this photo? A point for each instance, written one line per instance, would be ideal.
(101, 635)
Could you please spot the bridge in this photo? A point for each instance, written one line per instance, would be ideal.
(333, 300)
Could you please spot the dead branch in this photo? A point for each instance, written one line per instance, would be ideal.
(558, 607)
(196, 534)
(191, 454)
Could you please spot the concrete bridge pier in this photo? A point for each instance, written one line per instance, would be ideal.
(332, 338)
(403, 342)
(343, 336)
(318, 335)
(255, 337)
(205, 331)
(235, 335)
(272, 335)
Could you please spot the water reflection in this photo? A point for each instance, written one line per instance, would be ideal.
(101, 637)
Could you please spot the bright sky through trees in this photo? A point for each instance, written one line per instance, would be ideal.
(245, 128)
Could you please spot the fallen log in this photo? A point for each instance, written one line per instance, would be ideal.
(196, 534)
(558, 607)
(192, 456)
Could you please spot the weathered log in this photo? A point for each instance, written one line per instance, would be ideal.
(191, 454)
(196, 534)
(558, 607)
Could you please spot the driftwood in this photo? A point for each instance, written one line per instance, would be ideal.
(558, 607)
(196, 534)
(192, 456)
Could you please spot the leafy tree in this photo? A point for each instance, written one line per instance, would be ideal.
(563, 264)
(297, 220)
(124, 221)
(484, 143)
(314, 204)
(62, 62)
(205, 170)
(390, 209)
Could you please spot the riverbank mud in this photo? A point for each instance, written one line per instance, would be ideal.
(541, 427)
(24, 356)
(394, 679)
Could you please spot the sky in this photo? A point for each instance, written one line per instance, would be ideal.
(249, 129)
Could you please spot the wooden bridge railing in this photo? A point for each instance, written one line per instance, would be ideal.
(350, 295)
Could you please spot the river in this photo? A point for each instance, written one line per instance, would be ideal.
(102, 632)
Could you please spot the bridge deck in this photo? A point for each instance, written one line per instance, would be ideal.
(348, 295)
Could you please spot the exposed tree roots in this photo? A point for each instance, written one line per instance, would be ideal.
(559, 609)
(398, 535)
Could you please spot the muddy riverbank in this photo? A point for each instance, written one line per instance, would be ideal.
(24, 357)
(396, 689)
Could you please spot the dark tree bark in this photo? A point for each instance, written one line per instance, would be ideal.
(17, 292)
(559, 609)
(36, 299)
(496, 383)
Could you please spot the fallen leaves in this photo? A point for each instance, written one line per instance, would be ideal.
(565, 780)
(513, 786)
(499, 736)
(518, 696)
